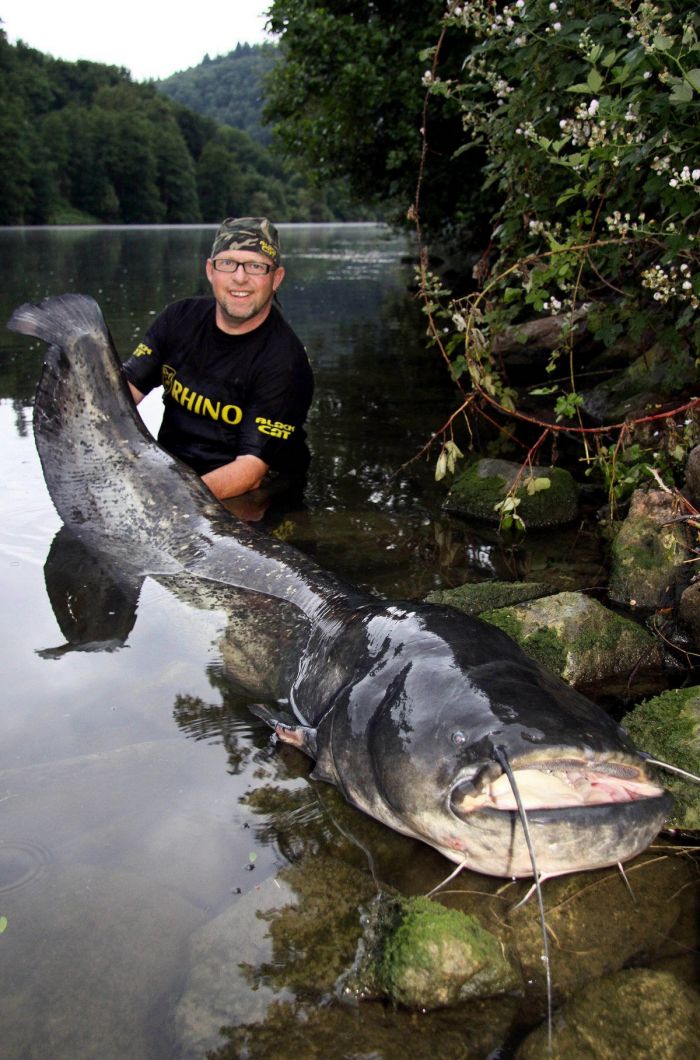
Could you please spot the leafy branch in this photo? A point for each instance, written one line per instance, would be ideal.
(591, 156)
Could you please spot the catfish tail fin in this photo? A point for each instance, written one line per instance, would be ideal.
(57, 319)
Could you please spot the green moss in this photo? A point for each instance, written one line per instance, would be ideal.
(488, 596)
(668, 728)
(546, 648)
(436, 956)
(670, 725)
(637, 546)
(544, 645)
(607, 635)
(506, 619)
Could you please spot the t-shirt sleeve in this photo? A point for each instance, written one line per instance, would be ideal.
(143, 368)
(272, 426)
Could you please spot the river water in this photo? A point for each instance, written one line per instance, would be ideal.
(153, 842)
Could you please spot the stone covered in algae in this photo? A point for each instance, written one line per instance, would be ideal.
(485, 483)
(636, 1013)
(584, 642)
(668, 728)
(475, 597)
(648, 553)
(427, 956)
(293, 1030)
(600, 922)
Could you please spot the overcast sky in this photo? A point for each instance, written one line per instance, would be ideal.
(151, 38)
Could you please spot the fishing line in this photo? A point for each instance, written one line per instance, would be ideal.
(502, 758)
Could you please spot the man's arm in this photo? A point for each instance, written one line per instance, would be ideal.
(241, 475)
(230, 480)
(136, 394)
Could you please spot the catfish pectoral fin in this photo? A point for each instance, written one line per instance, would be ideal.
(300, 736)
(271, 717)
(262, 711)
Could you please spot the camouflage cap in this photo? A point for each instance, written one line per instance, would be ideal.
(247, 233)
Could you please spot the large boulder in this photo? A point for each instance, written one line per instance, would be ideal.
(689, 611)
(692, 475)
(638, 1013)
(640, 386)
(648, 553)
(590, 646)
(613, 920)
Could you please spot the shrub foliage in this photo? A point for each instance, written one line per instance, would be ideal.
(588, 116)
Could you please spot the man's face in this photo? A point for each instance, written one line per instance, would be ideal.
(243, 301)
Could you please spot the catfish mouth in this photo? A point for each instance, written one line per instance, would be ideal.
(561, 782)
(583, 812)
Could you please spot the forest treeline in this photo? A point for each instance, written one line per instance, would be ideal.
(81, 142)
(228, 88)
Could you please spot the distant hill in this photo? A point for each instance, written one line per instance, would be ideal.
(82, 143)
(228, 88)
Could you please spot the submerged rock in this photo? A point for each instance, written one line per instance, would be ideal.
(476, 597)
(584, 642)
(648, 553)
(425, 956)
(640, 386)
(636, 1013)
(600, 922)
(668, 728)
(485, 483)
(294, 1030)
(689, 611)
(290, 936)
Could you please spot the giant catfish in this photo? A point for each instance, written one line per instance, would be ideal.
(410, 709)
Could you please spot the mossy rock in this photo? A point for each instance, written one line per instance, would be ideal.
(473, 598)
(485, 483)
(426, 956)
(648, 553)
(638, 1013)
(584, 642)
(668, 728)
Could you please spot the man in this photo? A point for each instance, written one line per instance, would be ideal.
(237, 382)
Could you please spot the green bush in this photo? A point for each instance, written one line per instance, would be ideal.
(588, 113)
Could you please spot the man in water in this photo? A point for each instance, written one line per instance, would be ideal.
(237, 383)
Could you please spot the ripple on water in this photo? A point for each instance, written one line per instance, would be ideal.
(21, 863)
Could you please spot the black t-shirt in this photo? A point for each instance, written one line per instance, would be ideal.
(226, 395)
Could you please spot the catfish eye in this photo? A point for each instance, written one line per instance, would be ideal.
(458, 737)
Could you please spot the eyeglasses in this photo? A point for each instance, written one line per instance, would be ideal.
(251, 268)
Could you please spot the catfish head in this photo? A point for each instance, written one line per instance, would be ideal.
(432, 700)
